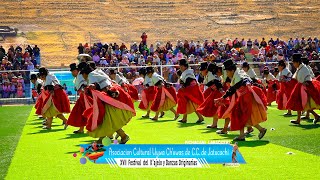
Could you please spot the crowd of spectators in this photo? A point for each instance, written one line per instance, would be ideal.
(240, 50)
(12, 81)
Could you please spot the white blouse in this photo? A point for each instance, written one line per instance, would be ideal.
(302, 74)
(188, 73)
(100, 78)
(51, 79)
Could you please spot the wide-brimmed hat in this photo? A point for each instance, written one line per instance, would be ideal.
(203, 66)
(73, 66)
(229, 64)
(296, 57)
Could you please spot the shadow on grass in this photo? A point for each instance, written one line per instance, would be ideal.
(253, 143)
(72, 136)
(287, 116)
(46, 131)
(306, 126)
(72, 152)
(53, 125)
(159, 121)
(183, 125)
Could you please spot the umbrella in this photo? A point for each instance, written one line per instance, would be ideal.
(138, 81)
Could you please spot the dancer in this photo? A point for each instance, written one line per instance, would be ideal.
(39, 93)
(286, 86)
(56, 102)
(210, 109)
(166, 97)
(123, 82)
(112, 107)
(189, 95)
(76, 118)
(247, 105)
(148, 94)
(305, 95)
(271, 84)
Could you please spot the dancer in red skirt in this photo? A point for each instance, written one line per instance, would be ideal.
(56, 102)
(286, 86)
(123, 82)
(305, 95)
(148, 94)
(166, 96)
(204, 73)
(247, 104)
(112, 107)
(271, 83)
(76, 118)
(38, 92)
(189, 95)
(210, 109)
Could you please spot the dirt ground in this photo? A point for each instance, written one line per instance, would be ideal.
(58, 26)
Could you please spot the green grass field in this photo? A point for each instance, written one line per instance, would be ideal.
(42, 154)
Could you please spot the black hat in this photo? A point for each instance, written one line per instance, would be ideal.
(276, 69)
(305, 60)
(142, 71)
(33, 77)
(296, 57)
(212, 67)
(266, 70)
(92, 64)
(245, 64)
(281, 63)
(183, 62)
(229, 64)
(149, 70)
(73, 66)
(43, 71)
(82, 65)
(179, 72)
(203, 66)
(113, 71)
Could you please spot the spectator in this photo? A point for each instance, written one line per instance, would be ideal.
(80, 49)
(144, 38)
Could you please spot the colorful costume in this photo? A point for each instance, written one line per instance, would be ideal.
(166, 97)
(305, 95)
(123, 82)
(56, 101)
(247, 104)
(112, 107)
(148, 95)
(189, 96)
(272, 84)
(286, 86)
(84, 102)
(208, 108)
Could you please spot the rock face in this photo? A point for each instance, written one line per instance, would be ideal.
(57, 26)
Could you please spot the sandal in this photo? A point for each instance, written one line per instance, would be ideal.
(239, 139)
(176, 117)
(182, 121)
(221, 132)
(212, 127)
(295, 122)
(145, 116)
(249, 132)
(305, 117)
(78, 132)
(153, 119)
(161, 115)
(315, 121)
(125, 140)
(261, 134)
(46, 127)
(199, 121)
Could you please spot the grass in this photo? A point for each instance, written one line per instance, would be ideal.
(42, 154)
(11, 126)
